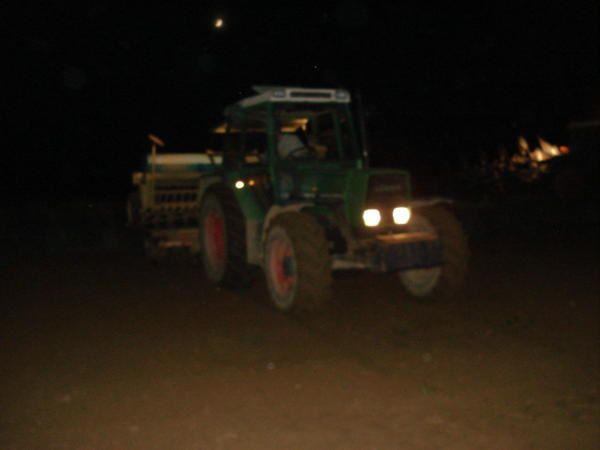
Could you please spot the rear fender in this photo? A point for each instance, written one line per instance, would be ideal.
(277, 210)
(204, 184)
(257, 234)
(320, 215)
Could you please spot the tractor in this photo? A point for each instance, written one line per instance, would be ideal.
(291, 192)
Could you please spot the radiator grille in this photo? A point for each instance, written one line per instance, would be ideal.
(389, 189)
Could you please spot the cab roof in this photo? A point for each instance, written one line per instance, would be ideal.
(287, 94)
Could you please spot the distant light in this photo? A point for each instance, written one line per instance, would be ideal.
(239, 184)
(219, 22)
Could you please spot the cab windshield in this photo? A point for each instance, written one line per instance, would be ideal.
(319, 131)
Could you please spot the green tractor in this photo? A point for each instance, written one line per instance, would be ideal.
(292, 193)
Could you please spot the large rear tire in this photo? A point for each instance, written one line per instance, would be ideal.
(223, 238)
(297, 263)
(446, 280)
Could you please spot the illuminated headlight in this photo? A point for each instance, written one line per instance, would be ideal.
(371, 217)
(239, 184)
(401, 215)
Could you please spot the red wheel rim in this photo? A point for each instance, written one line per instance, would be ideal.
(214, 237)
(281, 266)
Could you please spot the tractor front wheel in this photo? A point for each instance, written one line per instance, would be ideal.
(445, 280)
(297, 263)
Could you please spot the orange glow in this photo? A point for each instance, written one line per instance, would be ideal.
(563, 149)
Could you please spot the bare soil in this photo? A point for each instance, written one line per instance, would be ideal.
(100, 349)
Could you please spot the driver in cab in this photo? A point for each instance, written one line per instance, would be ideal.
(296, 146)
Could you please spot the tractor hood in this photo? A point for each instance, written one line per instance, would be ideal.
(355, 188)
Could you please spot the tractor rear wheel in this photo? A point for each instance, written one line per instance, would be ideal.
(443, 281)
(223, 238)
(297, 263)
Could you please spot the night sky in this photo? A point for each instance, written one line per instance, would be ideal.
(88, 80)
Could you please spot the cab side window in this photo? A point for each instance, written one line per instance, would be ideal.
(253, 141)
(324, 137)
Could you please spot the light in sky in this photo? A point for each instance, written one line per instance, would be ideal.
(219, 22)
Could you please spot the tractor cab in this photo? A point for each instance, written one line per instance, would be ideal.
(290, 133)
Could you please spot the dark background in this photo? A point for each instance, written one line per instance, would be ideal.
(88, 80)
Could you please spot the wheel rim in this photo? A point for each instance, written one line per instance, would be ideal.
(282, 267)
(214, 238)
(421, 282)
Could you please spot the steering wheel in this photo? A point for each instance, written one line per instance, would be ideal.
(295, 154)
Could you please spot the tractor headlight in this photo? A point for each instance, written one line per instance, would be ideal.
(401, 215)
(371, 217)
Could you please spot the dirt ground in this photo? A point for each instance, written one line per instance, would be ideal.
(102, 350)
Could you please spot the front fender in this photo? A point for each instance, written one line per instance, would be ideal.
(432, 201)
(205, 183)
